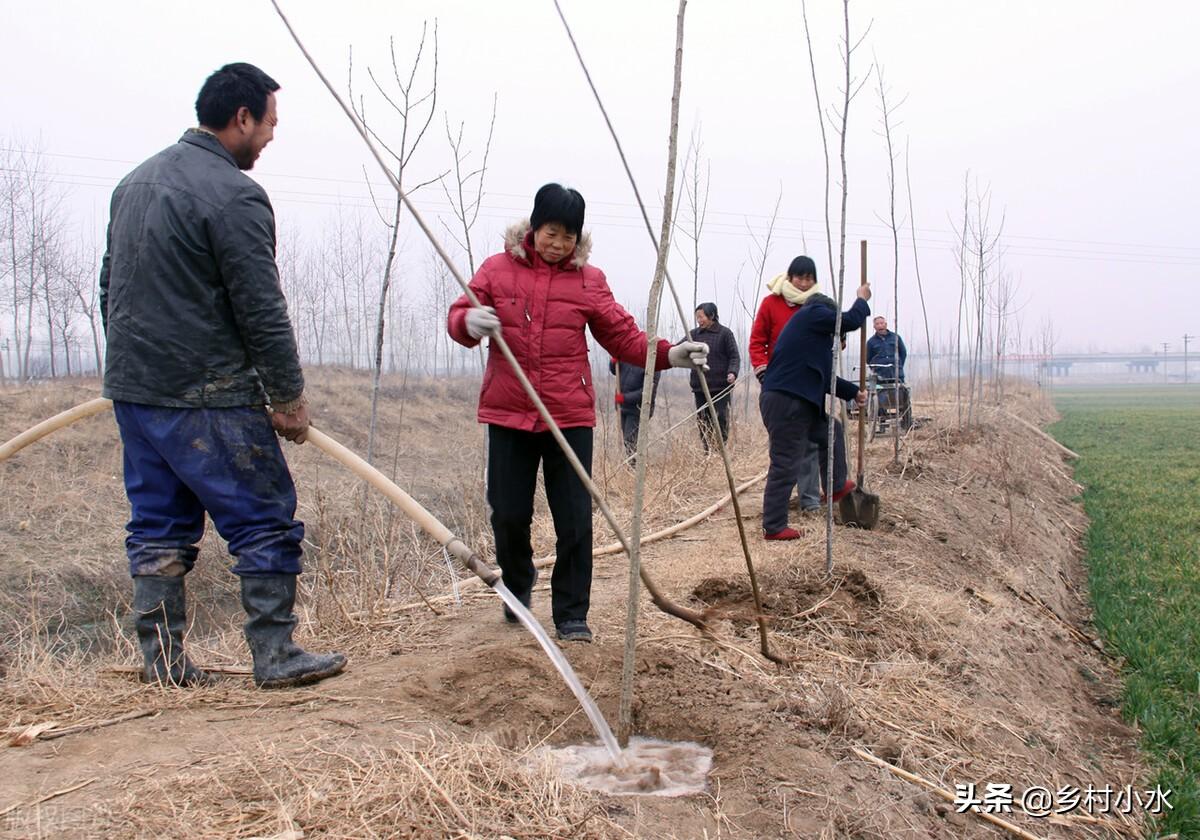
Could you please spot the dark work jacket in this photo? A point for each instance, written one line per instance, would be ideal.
(630, 385)
(723, 356)
(189, 292)
(881, 355)
(802, 361)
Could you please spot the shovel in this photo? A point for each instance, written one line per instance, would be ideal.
(859, 507)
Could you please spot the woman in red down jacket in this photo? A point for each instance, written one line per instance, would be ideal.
(540, 293)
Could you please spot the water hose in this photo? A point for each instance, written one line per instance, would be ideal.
(410, 506)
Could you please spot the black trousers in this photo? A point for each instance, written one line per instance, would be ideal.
(704, 421)
(513, 460)
(792, 423)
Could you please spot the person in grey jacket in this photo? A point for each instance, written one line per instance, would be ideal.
(199, 345)
(724, 363)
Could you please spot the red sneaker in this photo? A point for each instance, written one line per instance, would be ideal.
(785, 534)
(840, 494)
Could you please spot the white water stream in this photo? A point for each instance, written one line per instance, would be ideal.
(568, 673)
(647, 766)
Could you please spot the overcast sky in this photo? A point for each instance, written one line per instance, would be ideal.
(1078, 118)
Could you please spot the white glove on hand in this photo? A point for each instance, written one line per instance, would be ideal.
(482, 321)
(689, 354)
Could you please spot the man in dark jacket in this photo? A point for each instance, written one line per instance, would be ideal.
(630, 382)
(886, 353)
(724, 363)
(792, 403)
(199, 343)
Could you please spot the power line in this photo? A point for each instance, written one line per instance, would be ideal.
(735, 213)
(717, 228)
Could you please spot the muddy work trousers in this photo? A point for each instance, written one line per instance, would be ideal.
(513, 460)
(183, 462)
(793, 425)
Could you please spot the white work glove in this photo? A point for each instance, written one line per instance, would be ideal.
(482, 321)
(689, 354)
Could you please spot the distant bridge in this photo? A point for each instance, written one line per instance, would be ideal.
(1060, 364)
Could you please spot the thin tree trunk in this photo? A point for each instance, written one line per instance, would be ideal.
(625, 716)
(380, 323)
(917, 268)
(837, 330)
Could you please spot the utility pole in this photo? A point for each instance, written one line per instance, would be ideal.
(1186, 339)
(1166, 346)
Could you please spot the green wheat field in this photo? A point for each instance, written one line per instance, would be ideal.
(1139, 463)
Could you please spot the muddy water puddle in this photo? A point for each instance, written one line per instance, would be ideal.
(652, 767)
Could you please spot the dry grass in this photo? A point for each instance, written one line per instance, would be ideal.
(926, 647)
(337, 787)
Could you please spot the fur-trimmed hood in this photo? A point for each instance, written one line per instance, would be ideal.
(514, 244)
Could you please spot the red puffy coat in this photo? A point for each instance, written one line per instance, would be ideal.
(773, 314)
(543, 309)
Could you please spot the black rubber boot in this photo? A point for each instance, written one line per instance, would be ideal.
(278, 661)
(160, 616)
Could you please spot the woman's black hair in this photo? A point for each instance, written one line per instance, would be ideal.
(556, 203)
(802, 266)
(709, 310)
(228, 89)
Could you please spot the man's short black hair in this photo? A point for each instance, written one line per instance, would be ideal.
(556, 203)
(228, 89)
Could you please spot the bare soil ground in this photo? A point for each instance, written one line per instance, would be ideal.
(952, 642)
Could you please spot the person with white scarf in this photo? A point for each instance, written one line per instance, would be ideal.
(788, 292)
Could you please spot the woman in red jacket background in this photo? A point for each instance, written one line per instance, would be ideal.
(788, 292)
(540, 293)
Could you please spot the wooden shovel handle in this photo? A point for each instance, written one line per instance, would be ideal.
(862, 372)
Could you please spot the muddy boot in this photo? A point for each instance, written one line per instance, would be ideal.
(278, 661)
(160, 616)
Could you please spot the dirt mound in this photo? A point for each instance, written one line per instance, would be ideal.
(953, 642)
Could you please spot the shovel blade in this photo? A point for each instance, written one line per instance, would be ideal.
(860, 508)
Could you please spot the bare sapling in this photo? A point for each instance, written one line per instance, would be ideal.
(764, 641)
(885, 116)
(981, 242)
(912, 227)
(850, 88)
(812, 65)
(760, 252)
(695, 190)
(628, 661)
(406, 103)
(963, 272)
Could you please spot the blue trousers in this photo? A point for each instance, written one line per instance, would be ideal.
(182, 462)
